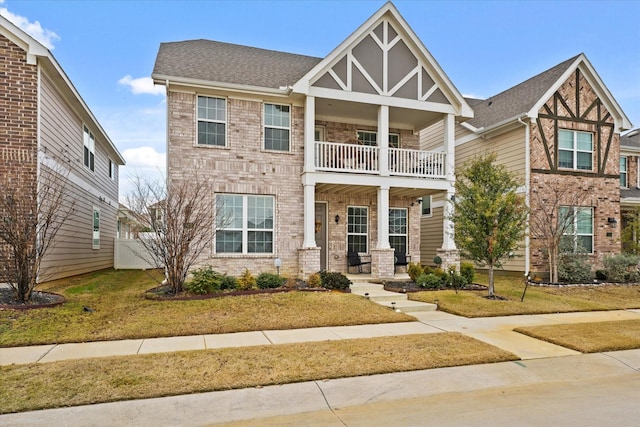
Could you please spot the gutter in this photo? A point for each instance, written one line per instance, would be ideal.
(161, 79)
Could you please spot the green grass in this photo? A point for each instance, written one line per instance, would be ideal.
(88, 381)
(538, 300)
(120, 311)
(589, 337)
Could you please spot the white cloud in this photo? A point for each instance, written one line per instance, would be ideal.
(34, 29)
(142, 85)
(145, 158)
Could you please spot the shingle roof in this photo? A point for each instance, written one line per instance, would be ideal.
(517, 100)
(230, 63)
(631, 139)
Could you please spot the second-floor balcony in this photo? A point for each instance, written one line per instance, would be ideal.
(354, 158)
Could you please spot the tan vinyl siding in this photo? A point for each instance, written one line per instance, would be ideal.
(432, 137)
(431, 230)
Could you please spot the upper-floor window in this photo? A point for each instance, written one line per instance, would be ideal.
(244, 224)
(112, 170)
(575, 150)
(578, 235)
(277, 127)
(89, 152)
(371, 138)
(426, 206)
(398, 229)
(623, 172)
(212, 121)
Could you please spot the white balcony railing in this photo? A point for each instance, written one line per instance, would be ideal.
(337, 157)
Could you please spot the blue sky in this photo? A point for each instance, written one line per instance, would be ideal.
(108, 48)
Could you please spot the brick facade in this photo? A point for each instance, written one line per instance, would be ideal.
(18, 123)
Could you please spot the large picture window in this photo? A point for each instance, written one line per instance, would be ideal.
(575, 150)
(277, 127)
(212, 121)
(89, 155)
(357, 229)
(398, 229)
(244, 224)
(579, 233)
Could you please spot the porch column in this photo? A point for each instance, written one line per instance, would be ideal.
(448, 244)
(309, 216)
(309, 133)
(383, 218)
(450, 147)
(383, 140)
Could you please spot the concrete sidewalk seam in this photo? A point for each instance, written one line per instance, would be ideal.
(328, 404)
(47, 352)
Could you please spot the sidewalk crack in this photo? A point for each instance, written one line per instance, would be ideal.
(329, 405)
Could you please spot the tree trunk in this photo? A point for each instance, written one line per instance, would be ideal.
(491, 289)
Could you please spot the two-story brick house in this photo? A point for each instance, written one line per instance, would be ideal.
(46, 126)
(558, 130)
(313, 158)
(630, 182)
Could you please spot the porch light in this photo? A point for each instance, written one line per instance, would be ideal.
(277, 263)
(612, 222)
(337, 218)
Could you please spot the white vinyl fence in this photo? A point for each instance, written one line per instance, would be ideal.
(127, 255)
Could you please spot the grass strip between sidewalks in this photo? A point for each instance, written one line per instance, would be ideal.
(88, 381)
(589, 337)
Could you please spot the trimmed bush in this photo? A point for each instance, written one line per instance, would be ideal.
(246, 281)
(621, 268)
(314, 280)
(269, 281)
(334, 280)
(574, 268)
(429, 281)
(228, 283)
(414, 270)
(468, 271)
(205, 281)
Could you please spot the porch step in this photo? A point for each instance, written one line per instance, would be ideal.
(377, 294)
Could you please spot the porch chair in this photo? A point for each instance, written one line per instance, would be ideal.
(400, 259)
(354, 260)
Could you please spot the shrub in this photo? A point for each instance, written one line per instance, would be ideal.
(574, 268)
(228, 283)
(205, 280)
(620, 268)
(437, 261)
(269, 281)
(314, 280)
(601, 274)
(246, 281)
(468, 271)
(334, 280)
(429, 281)
(414, 270)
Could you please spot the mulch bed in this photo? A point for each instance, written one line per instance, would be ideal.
(407, 287)
(38, 300)
(164, 292)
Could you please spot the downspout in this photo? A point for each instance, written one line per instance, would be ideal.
(527, 189)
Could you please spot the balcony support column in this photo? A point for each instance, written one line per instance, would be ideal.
(450, 147)
(383, 218)
(383, 139)
(309, 216)
(309, 134)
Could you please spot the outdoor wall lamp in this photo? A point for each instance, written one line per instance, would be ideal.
(612, 222)
(417, 201)
(337, 218)
(277, 263)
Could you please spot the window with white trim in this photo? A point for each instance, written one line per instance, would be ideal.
(89, 153)
(579, 233)
(244, 224)
(357, 229)
(371, 138)
(398, 229)
(112, 170)
(277, 127)
(320, 133)
(575, 150)
(212, 121)
(426, 206)
(623, 172)
(95, 241)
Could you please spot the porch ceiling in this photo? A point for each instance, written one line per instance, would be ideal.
(353, 112)
(371, 191)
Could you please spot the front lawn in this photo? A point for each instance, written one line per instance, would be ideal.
(117, 309)
(538, 300)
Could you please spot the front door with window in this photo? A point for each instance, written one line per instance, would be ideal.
(321, 233)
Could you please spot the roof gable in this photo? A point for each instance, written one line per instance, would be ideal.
(384, 58)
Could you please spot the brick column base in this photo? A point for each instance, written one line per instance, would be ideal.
(308, 262)
(449, 258)
(382, 261)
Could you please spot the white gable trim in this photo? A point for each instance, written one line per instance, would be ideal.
(622, 122)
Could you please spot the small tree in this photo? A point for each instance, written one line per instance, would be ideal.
(549, 223)
(490, 217)
(29, 222)
(631, 233)
(181, 219)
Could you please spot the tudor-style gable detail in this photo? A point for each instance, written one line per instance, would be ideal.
(574, 107)
(382, 63)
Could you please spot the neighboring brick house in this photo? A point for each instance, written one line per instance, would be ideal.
(630, 181)
(559, 129)
(45, 125)
(313, 157)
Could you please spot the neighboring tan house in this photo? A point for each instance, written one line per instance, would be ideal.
(312, 158)
(557, 130)
(630, 180)
(44, 125)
